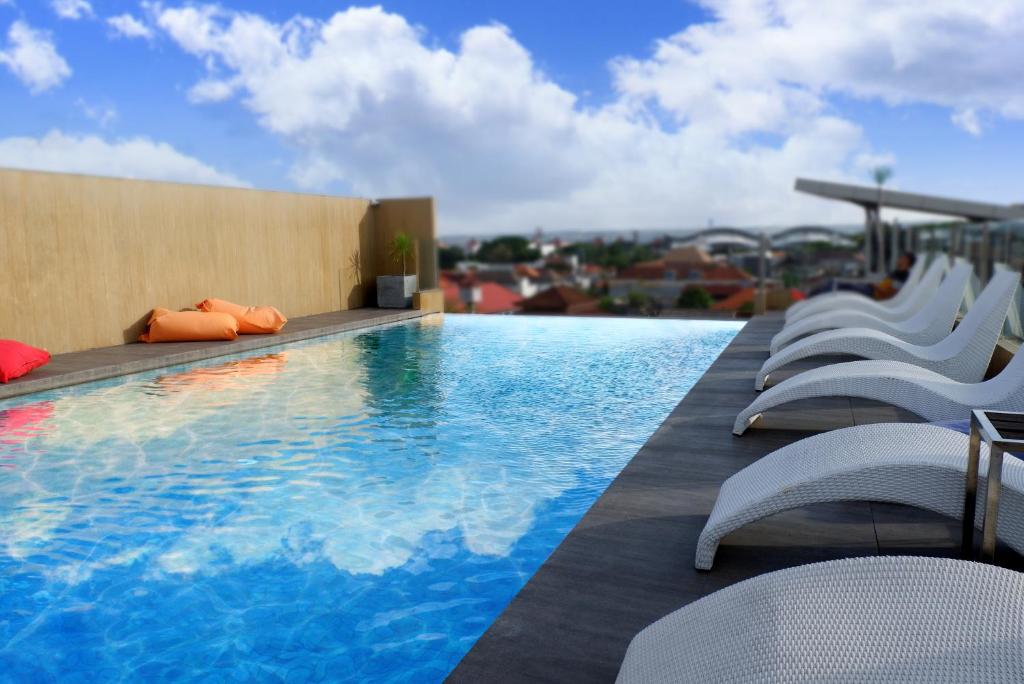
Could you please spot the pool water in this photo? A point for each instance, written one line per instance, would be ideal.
(358, 507)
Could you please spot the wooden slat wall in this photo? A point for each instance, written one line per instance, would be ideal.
(415, 216)
(84, 259)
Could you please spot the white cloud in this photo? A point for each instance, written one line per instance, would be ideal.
(127, 26)
(104, 115)
(72, 9)
(33, 58)
(129, 158)
(968, 120)
(374, 105)
(759, 61)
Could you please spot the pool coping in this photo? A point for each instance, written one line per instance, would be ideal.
(75, 368)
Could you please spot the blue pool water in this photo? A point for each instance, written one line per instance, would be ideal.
(359, 507)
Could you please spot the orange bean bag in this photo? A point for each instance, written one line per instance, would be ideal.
(252, 320)
(189, 326)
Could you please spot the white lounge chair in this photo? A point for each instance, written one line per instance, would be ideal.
(962, 355)
(929, 325)
(876, 619)
(844, 299)
(912, 464)
(924, 392)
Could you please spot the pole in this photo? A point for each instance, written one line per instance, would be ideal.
(984, 254)
(762, 268)
(869, 230)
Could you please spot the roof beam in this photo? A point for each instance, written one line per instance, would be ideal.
(866, 196)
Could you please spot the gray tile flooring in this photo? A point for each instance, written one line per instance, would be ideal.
(108, 362)
(629, 561)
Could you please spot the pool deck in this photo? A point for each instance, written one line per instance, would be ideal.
(629, 561)
(108, 362)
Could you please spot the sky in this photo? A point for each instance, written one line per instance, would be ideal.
(566, 115)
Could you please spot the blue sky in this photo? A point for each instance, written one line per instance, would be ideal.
(661, 113)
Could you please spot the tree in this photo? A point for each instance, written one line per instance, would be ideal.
(637, 299)
(694, 297)
(881, 175)
(507, 249)
(450, 256)
(617, 255)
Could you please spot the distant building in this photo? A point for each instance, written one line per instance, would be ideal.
(560, 299)
(510, 275)
(487, 297)
(688, 266)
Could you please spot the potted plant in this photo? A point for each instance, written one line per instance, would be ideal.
(395, 292)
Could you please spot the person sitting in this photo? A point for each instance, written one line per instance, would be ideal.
(884, 289)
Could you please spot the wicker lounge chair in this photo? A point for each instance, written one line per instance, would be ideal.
(912, 464)
(911, 292)
(877, 619)
(962, 355)
(929, 325)
(924, 392)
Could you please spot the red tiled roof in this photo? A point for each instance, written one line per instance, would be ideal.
(527, 271)
(493, 297)
(645, 270)
(725, 272)
(561, 299)
(746, 294)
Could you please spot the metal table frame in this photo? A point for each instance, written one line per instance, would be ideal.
(988, 425)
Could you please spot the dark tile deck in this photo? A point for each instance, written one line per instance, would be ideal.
(109, 362)
(629, 561)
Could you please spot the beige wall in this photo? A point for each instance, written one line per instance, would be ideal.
(84, 259)
(416, 217)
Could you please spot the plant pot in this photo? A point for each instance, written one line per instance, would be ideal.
(395, 292)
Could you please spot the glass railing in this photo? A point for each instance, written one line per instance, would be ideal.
(989, 247)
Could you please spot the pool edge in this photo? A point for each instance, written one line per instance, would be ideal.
(77, 368)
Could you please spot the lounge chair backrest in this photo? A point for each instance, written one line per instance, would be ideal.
(922, 292)
(913, 278)
(939, 314)
(1013, 322)
(981, 327)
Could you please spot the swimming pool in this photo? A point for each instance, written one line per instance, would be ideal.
(356, 507)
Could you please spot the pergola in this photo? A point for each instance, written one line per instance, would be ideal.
(873, 199)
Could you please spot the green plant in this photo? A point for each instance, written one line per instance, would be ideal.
(402, 248)
(694, 297)
(746, 308)
(606, 303)
(636, 299)
(789, 279)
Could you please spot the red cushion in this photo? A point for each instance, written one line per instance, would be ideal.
(16, 359)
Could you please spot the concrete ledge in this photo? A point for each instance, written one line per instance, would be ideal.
(109, 362)
(429, 301)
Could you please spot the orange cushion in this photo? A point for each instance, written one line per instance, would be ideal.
(17, 359)
(252, 320)
(189, 326)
